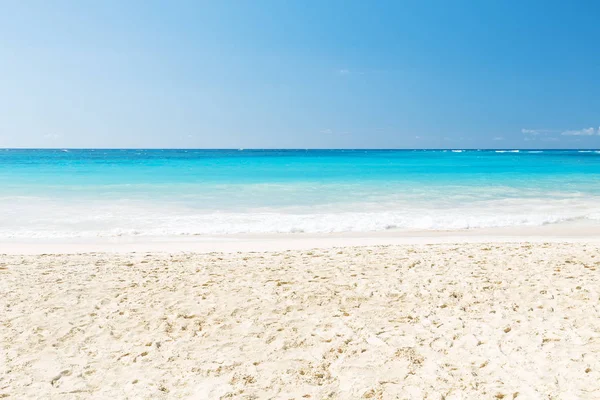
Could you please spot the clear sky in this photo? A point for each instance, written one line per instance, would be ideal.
(300, 74)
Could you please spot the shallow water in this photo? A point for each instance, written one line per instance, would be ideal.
(88, 193)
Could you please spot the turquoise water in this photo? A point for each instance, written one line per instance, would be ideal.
(72, 193)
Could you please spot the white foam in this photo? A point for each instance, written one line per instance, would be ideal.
(50, 220)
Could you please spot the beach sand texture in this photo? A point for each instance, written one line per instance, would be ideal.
(445, 321)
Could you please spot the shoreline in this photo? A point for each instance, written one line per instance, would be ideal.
(556, 233)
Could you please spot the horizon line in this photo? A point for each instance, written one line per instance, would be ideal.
(301, 149)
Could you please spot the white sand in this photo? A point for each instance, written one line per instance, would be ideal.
(466, 321)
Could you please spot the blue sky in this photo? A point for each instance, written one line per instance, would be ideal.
(300, 74)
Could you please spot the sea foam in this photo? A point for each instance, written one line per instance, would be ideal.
(153, 220)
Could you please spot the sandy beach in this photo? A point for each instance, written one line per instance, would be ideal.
(439, 321)
(299, 200)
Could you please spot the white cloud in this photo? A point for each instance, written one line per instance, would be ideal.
(353, 72)
(52, 136)
(580, 132)
(532, 133)
(498, 138)
(535, 131)
(332, 132)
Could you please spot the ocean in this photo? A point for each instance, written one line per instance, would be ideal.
(110, 193)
